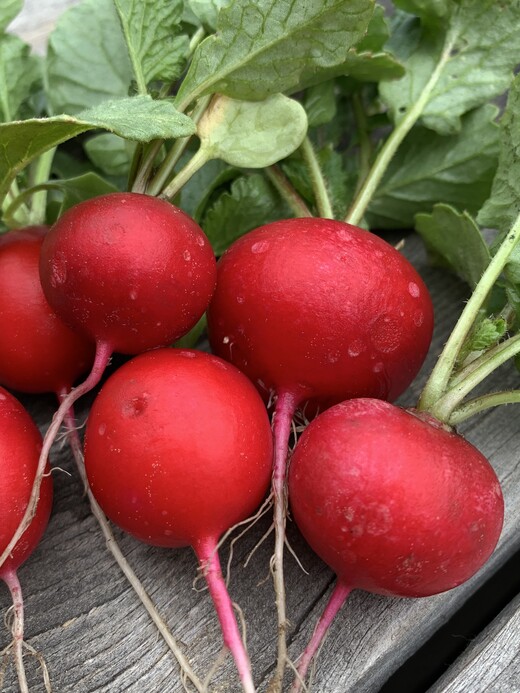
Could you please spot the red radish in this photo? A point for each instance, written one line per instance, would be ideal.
(129, 271)
(20, 444)
(38, 353)
(316, 311)
(178, 449)
(393, 501)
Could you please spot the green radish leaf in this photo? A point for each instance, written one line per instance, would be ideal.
(138, 118)
(156, 48)
(252, 134)
(110, 153)
(251, 202)
(8, 11)
(201, 187)
(87, 59)
(320, 103)
(428, 10)
(207, 11)
(273, 46)
(377, 34)
(19, 71)
(503, 207)
(454, 240)
(82, 188)
(371, 67)
(478, 50)
(429, 168)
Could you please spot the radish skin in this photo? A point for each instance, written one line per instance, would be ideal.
(395, 502)
(113, 267)
(178, 450)
(20, 444)
(315, 311)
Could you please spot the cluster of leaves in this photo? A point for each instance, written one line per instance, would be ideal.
(217, 104)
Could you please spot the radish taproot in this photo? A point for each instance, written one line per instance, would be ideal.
(315, 311)
(178, 449)
(394, 501)
(20, 444)
(128, 271)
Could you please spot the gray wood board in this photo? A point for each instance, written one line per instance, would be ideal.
(492, 662)
(87, 622)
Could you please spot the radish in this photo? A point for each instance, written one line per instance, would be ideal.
(315, 311)
(178, 450)
(20, 444)
(38, 353)
(393, 501)
(130, 272)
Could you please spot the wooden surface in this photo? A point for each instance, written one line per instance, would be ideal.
(86, 621)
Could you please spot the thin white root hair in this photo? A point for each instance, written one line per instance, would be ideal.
(295, 556)
(43, 665)
(249, 524)
(258, 545)
(243, 625)
(295, 671)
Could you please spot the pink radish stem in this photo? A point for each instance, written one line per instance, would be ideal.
(336, 601)
(286, 405)
(10, 578)
(206, 551)
(103, 354)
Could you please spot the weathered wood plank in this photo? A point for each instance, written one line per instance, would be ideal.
(492, 662)
(95, 637)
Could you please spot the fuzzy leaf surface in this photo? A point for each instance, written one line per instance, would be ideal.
(273, 46)
(430, 168)
(151, 28)
(480, 39)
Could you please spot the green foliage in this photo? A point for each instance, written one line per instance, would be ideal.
(431, 168)
(156, 47)
(454, 240)
(273, 46)
(19, 73)
(478, 44)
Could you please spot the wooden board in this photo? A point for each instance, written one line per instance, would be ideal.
(86, 620)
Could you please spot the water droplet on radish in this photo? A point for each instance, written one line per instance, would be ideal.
(58, 270)
(386, 335)
(414, 290)
(418, 318)
(102, 429)
(259, 247)
(225, 340)
(186, 255)
(133, 295)
(240, 299)
(378, 367)
(355, 348)
(135, 407)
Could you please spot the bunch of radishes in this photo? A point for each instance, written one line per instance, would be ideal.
(178, 445)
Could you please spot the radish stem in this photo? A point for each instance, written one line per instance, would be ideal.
(438, 383)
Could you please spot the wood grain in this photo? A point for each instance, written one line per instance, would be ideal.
(95, 637)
